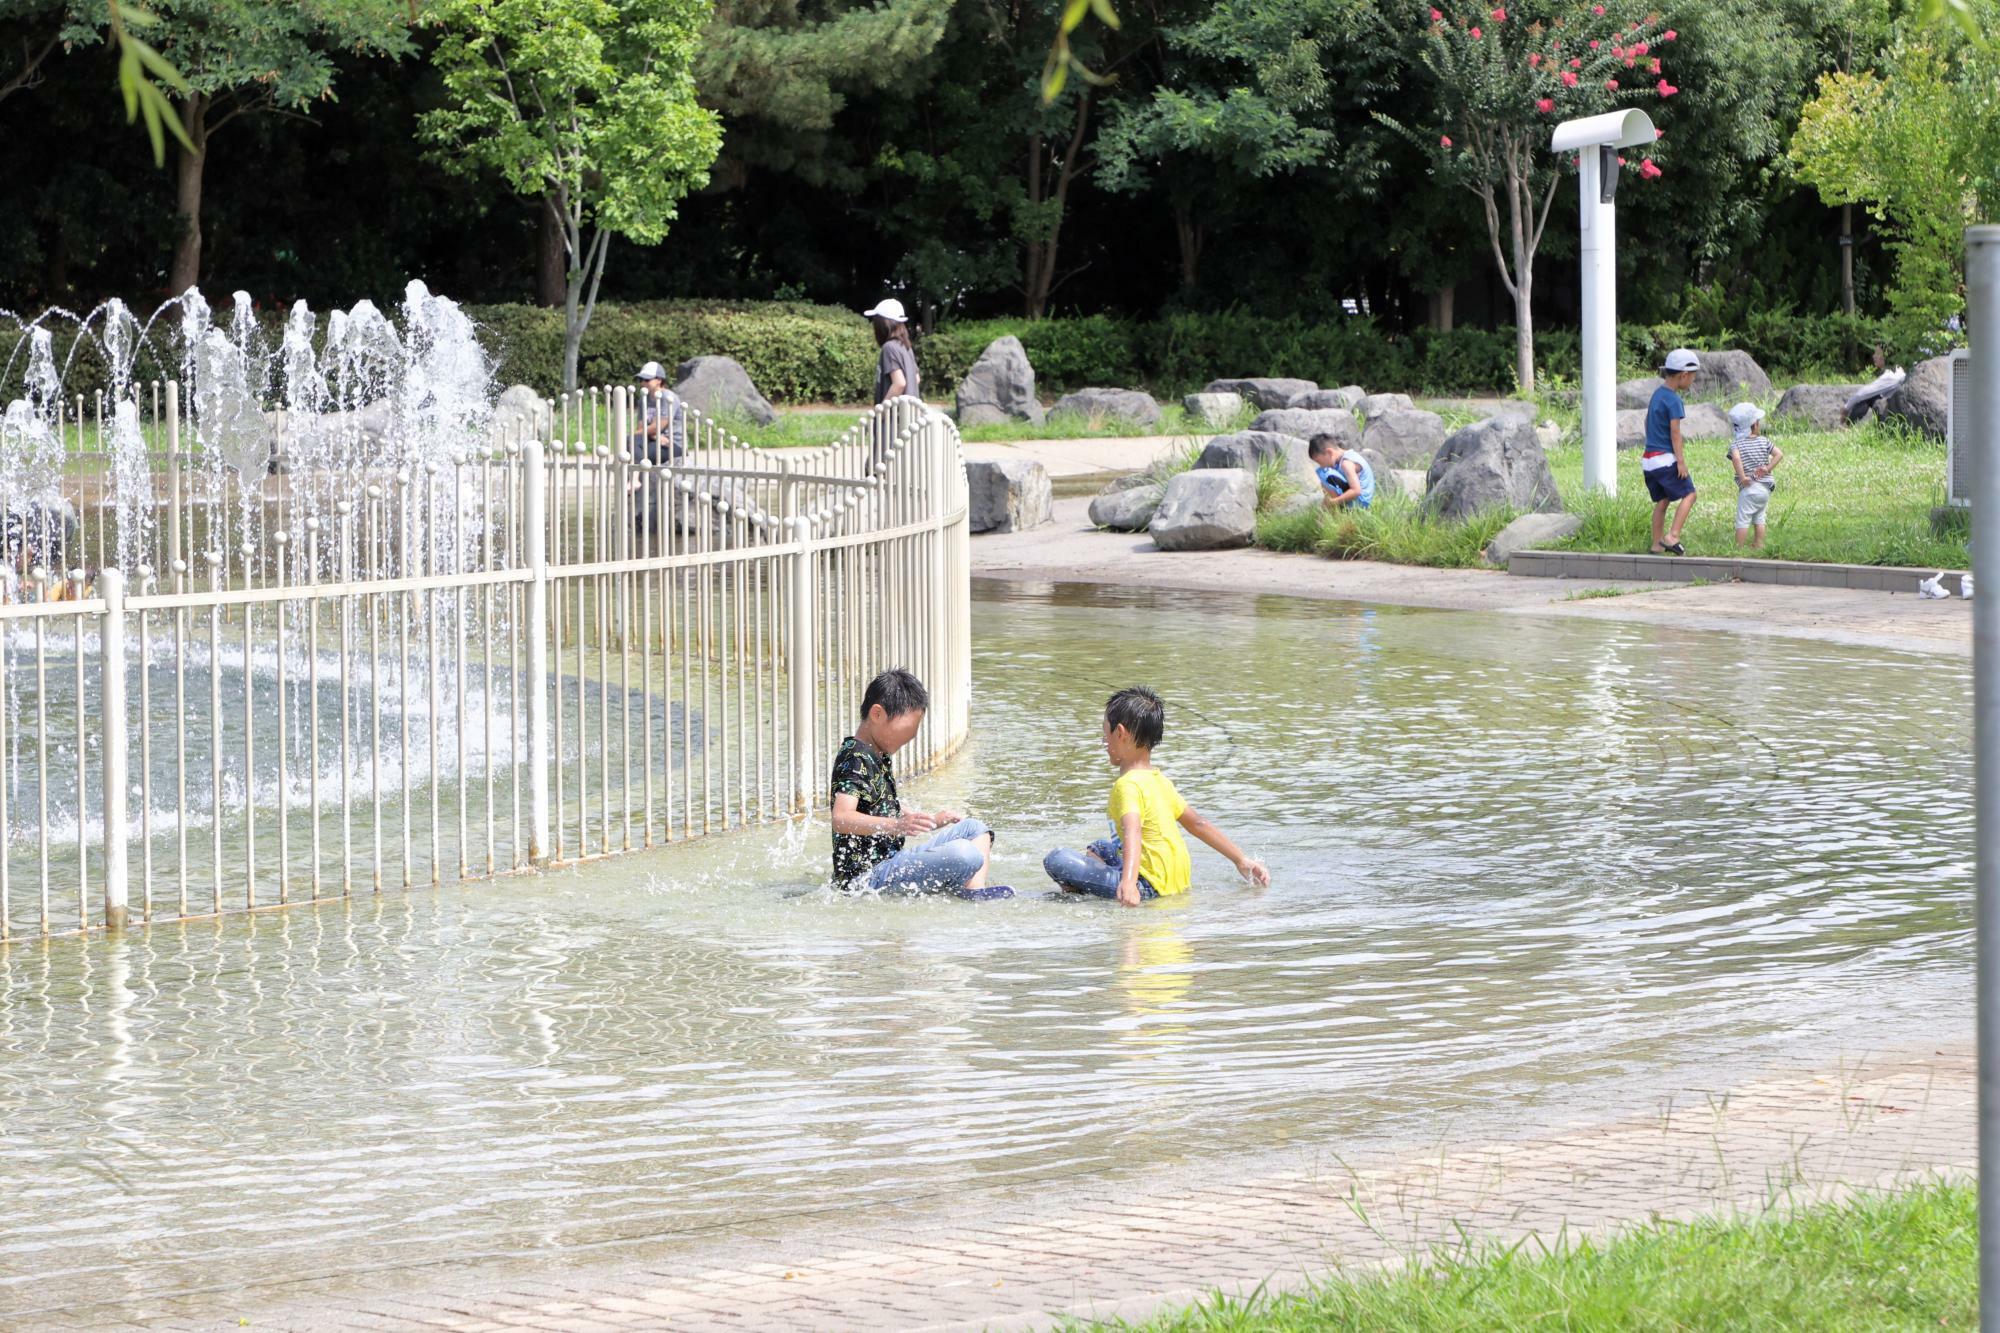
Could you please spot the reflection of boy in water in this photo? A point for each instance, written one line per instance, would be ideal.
(1147, 858)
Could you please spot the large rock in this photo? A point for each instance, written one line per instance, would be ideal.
(1824, 405)
(1266, 393)
(1404, 436)
(1491, 464)
(1704, 421)
(1007, 495)
(718, 386)
(1110, 405)
(1000, 387)
(1731, 374)
(521, 414)
(1217, 410)
(1922, 400)
(1306, 423)
(1205, 510)
(1249, 450)
(1375, 404)
(1637, 393)
(1344, 399)
(1127, 504)
(1529, 532)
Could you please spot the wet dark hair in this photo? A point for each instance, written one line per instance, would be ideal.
(1140, 712)
(1320, 444)
(898, 692)
(886, 328)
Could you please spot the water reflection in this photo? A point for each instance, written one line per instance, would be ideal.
(1514, 862)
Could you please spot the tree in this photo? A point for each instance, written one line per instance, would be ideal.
(590, 103)
(238, 58)
(30, 31)
(1499, 83)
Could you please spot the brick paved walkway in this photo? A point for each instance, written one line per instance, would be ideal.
(1106, 1247)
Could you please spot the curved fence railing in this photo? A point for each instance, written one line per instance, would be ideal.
(225, 691)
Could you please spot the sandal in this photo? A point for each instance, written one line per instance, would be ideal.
(1675, 548)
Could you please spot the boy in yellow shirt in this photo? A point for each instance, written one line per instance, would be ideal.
(1147, 857)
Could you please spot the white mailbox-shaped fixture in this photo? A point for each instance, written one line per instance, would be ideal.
(1596, 141)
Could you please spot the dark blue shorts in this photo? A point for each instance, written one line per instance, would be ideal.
(1666, 483)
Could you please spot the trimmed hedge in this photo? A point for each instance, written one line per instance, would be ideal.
(797, 352)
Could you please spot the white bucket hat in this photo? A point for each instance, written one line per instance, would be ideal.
(652, 370)
(1743, 416)
(1681, 359)
(888, 309)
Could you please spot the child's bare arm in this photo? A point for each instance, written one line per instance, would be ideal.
(1131, 839)
(1680, 451)
(1201, 827)
(1736, 461)
(847, 818)
(1777, 457)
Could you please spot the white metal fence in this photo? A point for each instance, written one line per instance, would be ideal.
(328, 681)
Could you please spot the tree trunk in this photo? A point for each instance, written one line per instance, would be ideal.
(551, 266)
(1847, 258)
(1442, 303)
(1040, 265)
(186, 270)
(586, 271)
(1520, 207)
(1190, 234)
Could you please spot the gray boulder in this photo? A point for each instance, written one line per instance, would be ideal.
(1306, 423)
(1354, 391)
(1527, 533)
(1823, 405)
(1249, 450)
(1924, 396)
(1206, 510)
(1404, 436)
(1637, 393)
(1377, 403)
(1000, 387)
(718, 386)
(1548, 434)
(1111, 405)
(1730, 374)
(521, 414)
(1704, 421)
(1127, 504)
(1008, 495)
(1217, 410)
(1345, 399)
(1266, 393)
(1491, 464)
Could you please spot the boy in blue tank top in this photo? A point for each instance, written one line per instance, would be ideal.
(1345, 477)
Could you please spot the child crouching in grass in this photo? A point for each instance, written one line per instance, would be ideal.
(1147, 857)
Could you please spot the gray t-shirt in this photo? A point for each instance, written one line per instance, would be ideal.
(895, 357)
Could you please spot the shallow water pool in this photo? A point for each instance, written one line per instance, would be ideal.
(1516, 860)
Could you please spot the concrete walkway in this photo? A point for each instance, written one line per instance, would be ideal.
(1103, 1247)
(1088, 457)
(1073, 551)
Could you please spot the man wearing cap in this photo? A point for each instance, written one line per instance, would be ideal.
(1664, 461)
(660, 412)
(896, 369)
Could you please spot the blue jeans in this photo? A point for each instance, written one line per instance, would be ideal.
(946, 861)
(1079, 873)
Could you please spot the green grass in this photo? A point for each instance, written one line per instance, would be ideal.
(1396, 530)
(1876, 1263)
(795, 429)
(1860, 496)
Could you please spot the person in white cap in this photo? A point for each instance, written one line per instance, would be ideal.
(1664, 461)
(896, 368)
(1755, 459)
(661, 412)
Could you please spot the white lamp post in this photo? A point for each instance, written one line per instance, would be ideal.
(1596, 141)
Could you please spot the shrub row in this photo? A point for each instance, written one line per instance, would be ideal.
(805, 353)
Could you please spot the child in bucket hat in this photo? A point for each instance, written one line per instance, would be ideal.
(1755, 458)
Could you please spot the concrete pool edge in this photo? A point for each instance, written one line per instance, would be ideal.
(1072, 551)
(1119, 1247)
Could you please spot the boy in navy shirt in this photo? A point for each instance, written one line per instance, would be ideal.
(1665, 459)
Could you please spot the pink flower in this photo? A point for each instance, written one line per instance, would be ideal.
(1576, 64)
(1545, 105)
(1669, 35)
(1475, 34)
(1437, 16)
(1569, 79)
(1667, 89)
(1650, 170)
(1534, 59)
(1621, 161)
(1629, 62)
(1597, 10)
(1654, 65)
(1444, 140)
(1611, 84)
(1659, 134)
(1499, 16)
(1617, 50)
(1640, 48)
(1593, 46)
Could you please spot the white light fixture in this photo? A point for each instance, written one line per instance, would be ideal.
(1596, 141)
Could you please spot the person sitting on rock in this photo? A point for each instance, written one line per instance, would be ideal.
(661, 412)
(1345, 478)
